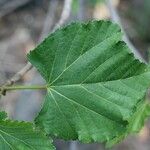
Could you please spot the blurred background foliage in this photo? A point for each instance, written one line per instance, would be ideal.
(21, 23)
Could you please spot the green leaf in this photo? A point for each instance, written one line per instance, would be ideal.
(94, 84)
(16, 135)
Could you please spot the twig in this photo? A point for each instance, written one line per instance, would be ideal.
(64, 16)
(49, 19)
(19, 75)
(115, 17)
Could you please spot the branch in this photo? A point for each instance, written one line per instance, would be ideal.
(115, 17)
(49, 19)
(64, 16)
(18, 75)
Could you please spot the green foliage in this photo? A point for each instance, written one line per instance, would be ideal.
(16, 135)
(95, 86)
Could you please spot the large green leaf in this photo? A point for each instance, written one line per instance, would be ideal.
(94, 84)
(16, 135)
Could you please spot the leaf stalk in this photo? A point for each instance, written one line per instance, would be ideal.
(4, 89)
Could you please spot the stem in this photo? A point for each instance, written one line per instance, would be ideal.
(21, 87)
(25, 87)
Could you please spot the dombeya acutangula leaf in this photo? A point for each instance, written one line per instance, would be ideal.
(95, 86)
(16, 135)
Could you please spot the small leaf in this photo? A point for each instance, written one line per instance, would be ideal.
(16, 135)
(95, 85)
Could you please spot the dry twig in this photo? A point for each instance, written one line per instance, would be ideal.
(64, 16)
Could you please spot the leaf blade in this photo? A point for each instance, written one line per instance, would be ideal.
(22, 136)
(94, 83)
